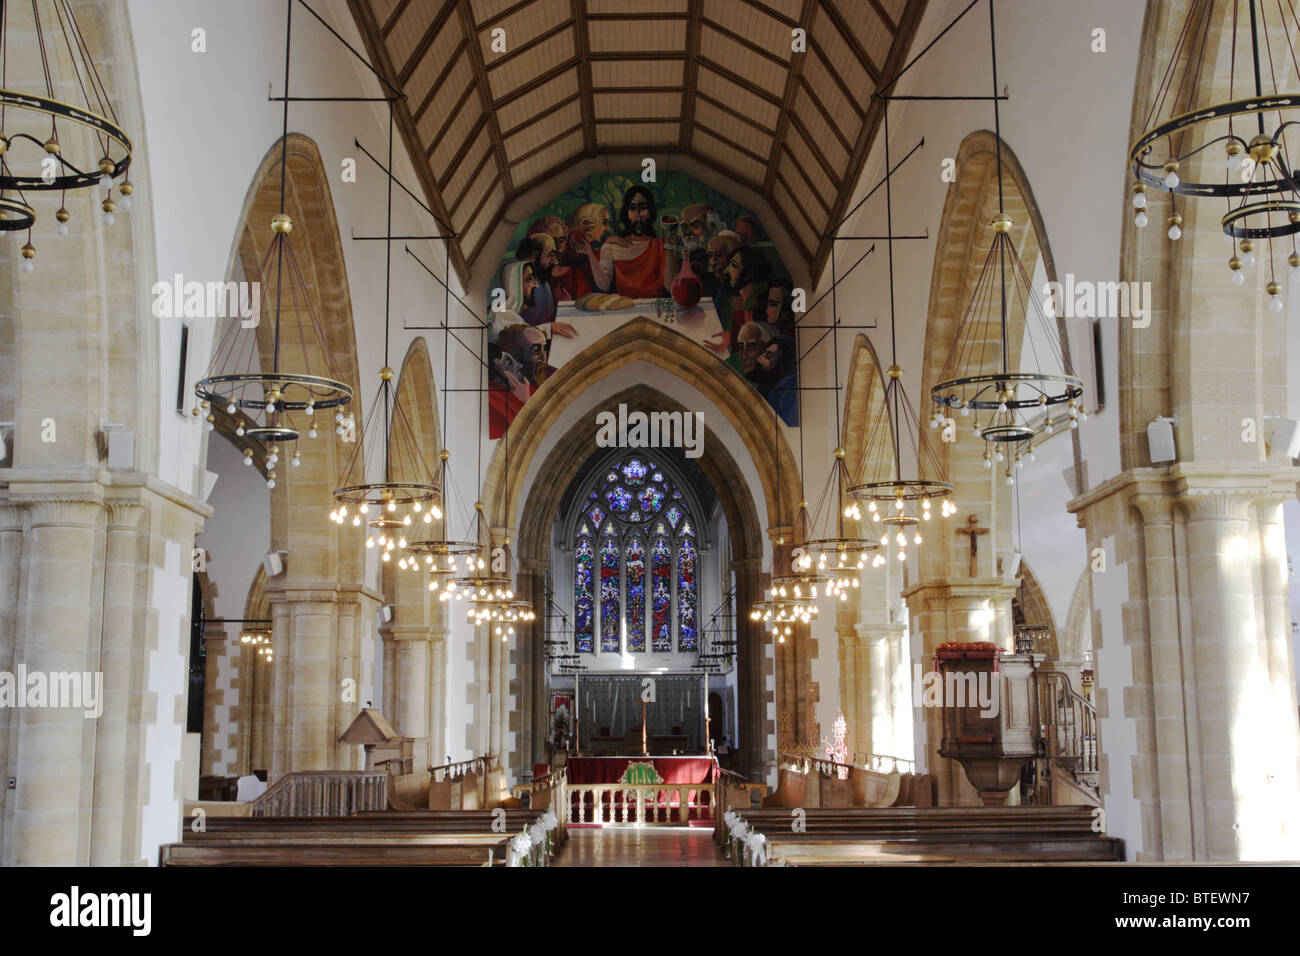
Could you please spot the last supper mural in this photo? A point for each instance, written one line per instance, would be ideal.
(612, 248)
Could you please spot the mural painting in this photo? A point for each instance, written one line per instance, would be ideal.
(613, 248)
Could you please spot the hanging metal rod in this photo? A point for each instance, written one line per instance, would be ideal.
(882, 238)
(942, 99)
(238, 620)
(897, 76)
(332, 99)
(889, 171)
(402, 186)
(396, 238)
(398, 94)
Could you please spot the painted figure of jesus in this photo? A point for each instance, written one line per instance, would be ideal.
(633, 263)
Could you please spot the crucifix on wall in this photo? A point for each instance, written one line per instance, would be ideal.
(973, 533)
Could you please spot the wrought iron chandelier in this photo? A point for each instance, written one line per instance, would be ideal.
(37, 118)
(263, 402)
(1179, 153)
(408, 491)
(897, 507)
(979, 376)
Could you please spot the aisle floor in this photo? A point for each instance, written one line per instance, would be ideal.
(645, 846)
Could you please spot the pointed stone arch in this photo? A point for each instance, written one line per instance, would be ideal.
(322, 613)
(628, 352)
(415, 640)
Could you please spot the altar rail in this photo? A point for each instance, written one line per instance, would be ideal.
(651, 804)
(324, 793)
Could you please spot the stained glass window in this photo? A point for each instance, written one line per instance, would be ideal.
(583, 618)
(686, 596)
(634, 566)
(609, 597)
(641, 518)
(661, 569)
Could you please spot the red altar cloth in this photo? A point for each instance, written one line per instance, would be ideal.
(611, 769)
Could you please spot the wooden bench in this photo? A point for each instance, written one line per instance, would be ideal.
(377, 838)
(845, 837)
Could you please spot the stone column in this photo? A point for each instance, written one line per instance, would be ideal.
(411, 657)
(751, 669)
(60, 599)
(11, 555)
(1162, 693)
(1230, 664)
(121, 552)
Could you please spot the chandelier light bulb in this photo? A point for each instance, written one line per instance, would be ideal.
(965, 411)
(312, 433)
(248, 456)
(1171, 176)
(1274, 298)
(387, 555)
(392, 506)
(1175, 227)
(270, 482)
(297, 460)
(270, 408)
(988, 461)
(428, 517)
(126, 202)
(310, 409)
(916, 538)
(1139, 201)
(61, 229)
(1247, 257)
(999, 456)
(1140, 220)
(1234, 158)
(1234, 265)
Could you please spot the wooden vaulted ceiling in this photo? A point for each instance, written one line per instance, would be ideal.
(712, 79)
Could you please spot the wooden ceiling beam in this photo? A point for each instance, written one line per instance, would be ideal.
(746, 42)
(473, 215)
(442, 78)
(851, 38)
(739, 80)
(776, 14)
(884, 16)
(807, 12)
(422, 47)
(694, 12)
(733, 112)
(559, 69)
(453, 113)
(530, 46)
(816, 150)
(495, 217)
(469, 181)
(538, 117)
(393, 17)
(756, 157)
(505, 14)
(582, 44)
(485, 95)
(826, 117)
(377, 51)
(549, 143)
(911, 19)
(799, 168)
(848, 94)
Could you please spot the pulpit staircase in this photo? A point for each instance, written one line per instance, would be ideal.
(1067, 765)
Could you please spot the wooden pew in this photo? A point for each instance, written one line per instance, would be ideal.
(843, 837)
(377, 838)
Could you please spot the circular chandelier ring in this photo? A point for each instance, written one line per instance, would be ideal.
(272, 433)
(1007, 433)
(1073, 390)
(39, 104)
(1154, 175)
(385, 492)
(334, 393)
(26, 215)
(443, 549)
(842, 546)
(913, 489)
(1289, 207)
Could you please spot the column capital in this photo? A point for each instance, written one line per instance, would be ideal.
(124, 514)
(11, 515)
(1214, 504)
(1155, 508)
(63, 510)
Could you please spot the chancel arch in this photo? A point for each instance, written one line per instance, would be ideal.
(553, 435)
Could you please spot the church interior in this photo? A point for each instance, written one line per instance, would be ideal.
(648, 432)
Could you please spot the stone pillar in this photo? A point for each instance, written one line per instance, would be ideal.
(121, 552)
(1238, 750)
(49, 805)
(754, 726)
(11, 555)
(411, 657)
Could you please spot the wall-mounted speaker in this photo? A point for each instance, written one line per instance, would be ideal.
(272, 564)
(1160, 440)
(1286, 438)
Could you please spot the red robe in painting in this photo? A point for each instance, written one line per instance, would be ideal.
(637, 270)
